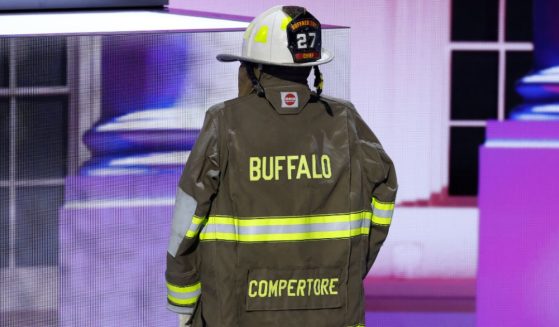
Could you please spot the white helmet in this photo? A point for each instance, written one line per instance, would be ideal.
(283, 36)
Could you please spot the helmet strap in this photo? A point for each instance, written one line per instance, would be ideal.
(318, 84)
(318, 80)
(255, 83)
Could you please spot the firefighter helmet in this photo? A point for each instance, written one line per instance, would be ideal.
(283, 36)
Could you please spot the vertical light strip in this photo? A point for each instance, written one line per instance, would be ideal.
(502, 61)
(445, 157)
(502, 16)
(73, 112)
(12, 163)
(94, 82)
(88, 91)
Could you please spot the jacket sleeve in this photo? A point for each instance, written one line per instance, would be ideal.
(197, 187)
(380, 179)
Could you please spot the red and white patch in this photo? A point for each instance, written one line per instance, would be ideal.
(289, 100)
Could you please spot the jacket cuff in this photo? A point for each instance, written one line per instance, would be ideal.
(187, 310)
(181, 297)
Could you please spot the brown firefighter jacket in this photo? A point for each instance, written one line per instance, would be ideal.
(280, 212)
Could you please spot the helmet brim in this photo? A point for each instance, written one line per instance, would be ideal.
(326, 57)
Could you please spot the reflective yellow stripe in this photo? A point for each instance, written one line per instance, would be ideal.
(284, 22)
(184, 289)
(183, 295)
(182, 301)
(381, 220)
(284, 237)
(285, 228)
(382, 212)
(383, 205)
(197, 220)
(225, 220)
(262, 34)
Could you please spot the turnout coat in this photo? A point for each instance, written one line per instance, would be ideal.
(280, 212)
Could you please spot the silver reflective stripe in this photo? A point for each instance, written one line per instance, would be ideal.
(184, 296)
(181, 310)
(286, 229)
(366, 222)
(383, 213)
(185, 206)
(193, 229)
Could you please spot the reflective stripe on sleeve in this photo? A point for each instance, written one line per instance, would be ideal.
(183, 295)
(180, 309)
(382, 212)
(194, 227)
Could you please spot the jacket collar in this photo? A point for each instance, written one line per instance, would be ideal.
(285, 89)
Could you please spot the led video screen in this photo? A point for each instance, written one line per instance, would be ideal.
(94, 133)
